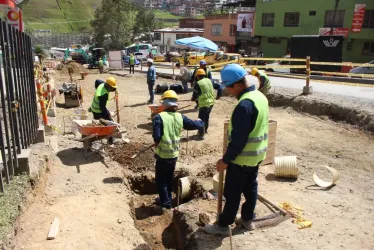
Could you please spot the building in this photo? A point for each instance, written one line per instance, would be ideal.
(277, 21)
(191, 23)
(222, 29)
(164, 39)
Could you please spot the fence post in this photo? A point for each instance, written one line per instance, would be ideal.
(172, 65)
(307, 89)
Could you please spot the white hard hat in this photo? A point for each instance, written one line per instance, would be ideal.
(150, 60)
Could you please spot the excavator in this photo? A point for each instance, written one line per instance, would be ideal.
(81, 56)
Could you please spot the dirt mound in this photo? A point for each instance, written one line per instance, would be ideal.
(77, 67)
(122, 154)
(208, 171)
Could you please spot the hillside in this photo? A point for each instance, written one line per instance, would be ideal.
(66, 16)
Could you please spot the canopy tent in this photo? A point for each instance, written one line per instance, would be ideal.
(198, 42)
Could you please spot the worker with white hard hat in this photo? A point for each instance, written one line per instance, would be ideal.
(246, 149)
(151, 79)
(167, 128)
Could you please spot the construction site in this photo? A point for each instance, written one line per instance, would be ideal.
(105, 199)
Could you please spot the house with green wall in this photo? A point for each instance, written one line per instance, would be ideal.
(277, 21)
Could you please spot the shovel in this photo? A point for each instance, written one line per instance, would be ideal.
(142, 151)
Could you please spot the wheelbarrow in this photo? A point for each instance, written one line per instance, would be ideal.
(93, 133)
(158, 108)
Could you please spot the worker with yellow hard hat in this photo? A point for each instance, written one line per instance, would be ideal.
(263, 80)
(204, 94)
(167, 128)
(101, 98)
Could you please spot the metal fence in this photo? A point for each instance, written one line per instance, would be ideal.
(19, 117)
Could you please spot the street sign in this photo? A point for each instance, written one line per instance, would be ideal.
(358, 18)
(14, 18)
(335, 32)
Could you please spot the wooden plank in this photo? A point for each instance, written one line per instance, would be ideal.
(54, 229)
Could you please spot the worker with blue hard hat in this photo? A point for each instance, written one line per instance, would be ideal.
(246, 149)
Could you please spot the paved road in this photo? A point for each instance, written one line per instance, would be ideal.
(360, 92)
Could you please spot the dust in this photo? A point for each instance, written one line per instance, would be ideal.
(208, 171)
(123, 153)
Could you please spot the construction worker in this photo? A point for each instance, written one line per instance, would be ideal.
(184, 75)
(204, 93)
(70, 71)
(167, 127)
(151, 79)
(101, 65)
(263, 79)
(247, 145)
(101, 98)
(132, 63)
(194, 78)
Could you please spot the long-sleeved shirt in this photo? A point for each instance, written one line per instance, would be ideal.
(243, 120)
(103, 102)
(262, 80)
(184, 73)
(197, 90)
(151, 75)
(158, 129)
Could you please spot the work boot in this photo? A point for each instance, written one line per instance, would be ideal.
(150, 102)
(248, 225)
(215, 229)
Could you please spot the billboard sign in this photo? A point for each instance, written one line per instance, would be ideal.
(335, 32)
(14, 18)
(358, 18)
(245, 22)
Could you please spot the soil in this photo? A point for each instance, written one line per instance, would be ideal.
(96, 209)
(77, 68)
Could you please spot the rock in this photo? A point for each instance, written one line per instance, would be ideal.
(209, 196)
(118, 192)
(320, 234)
(69, 179)
(204, 219)
(351, 234)
(119, 221)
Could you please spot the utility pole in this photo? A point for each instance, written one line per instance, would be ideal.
(333, 17)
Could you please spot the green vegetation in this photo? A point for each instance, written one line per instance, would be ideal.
(159, 14)
(10, 201)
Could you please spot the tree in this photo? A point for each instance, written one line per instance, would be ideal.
(145, 22)
(112, 26)
(40, 53)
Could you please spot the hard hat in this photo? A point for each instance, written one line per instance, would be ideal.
(232, 73)
(169, 94)
(112, 82)
(149, 60)
(254, 71)
(200, 72)
(202, 62)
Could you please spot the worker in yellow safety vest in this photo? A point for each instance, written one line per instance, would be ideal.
(246, 149)
(204, 93)
(263, 80)
(101, 98)
(101, 65)
(167, 128)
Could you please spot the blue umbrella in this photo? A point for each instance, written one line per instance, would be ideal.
(198, 42)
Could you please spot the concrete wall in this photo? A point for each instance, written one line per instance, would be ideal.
(309, 25)
(226, 21)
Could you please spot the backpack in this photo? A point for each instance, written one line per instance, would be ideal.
(160, 89)
(177, 88)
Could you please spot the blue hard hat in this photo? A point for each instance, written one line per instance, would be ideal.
(232, 73)
(202, 62)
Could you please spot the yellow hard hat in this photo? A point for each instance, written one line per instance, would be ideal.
(111, 81)
(254, 71)
(169, 94)
(200, 72)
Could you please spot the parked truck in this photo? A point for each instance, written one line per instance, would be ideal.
(320, 49)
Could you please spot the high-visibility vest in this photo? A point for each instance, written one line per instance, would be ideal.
(172, 122)
(267, 80)
(132, 60)
(256, 147)
(206, 99)
(100, 91)
(101, 63)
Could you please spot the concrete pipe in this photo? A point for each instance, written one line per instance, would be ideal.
(216, 182)
(286, 167)
(184, 187)
(326, 184)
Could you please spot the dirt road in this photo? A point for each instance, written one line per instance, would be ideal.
(93, 204)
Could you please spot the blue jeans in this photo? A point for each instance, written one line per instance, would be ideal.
(151, 93)
(204, 115)
(239, 180)
(164, 180)
(185, 86)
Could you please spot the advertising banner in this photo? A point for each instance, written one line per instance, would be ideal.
(335, 32)
(245, 22)
(358, 18)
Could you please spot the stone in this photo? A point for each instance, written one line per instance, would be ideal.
(119, 221)
(204, 219)
(307, 90)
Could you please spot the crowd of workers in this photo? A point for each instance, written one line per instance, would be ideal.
(247, 135)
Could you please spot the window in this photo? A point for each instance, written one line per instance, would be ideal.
(268, 19)
(368, 19)
(158, 36)
(180, 36)
(338, 21)
(312, 13)
(368, 49)
(274, 40)
(291, 19)
(233, 29)
(217, 30)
